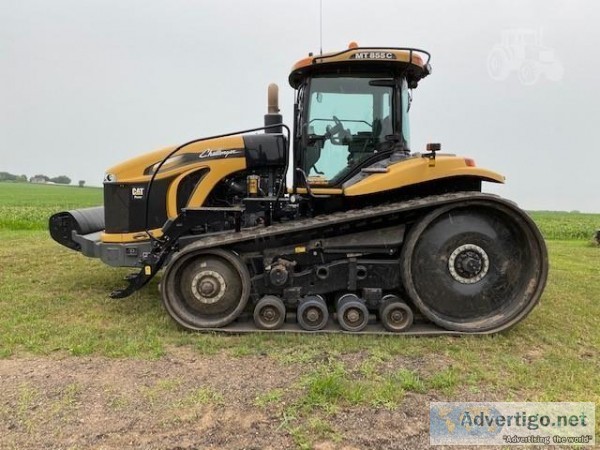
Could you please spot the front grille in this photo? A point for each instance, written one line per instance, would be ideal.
(125, 206)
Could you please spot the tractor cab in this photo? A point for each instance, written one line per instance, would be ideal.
(352, 111)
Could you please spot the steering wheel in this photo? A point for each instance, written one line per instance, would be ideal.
(338, 128)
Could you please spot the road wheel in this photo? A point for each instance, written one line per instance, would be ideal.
(474, 268)
(395, 315)
(352, 313)
(312, 314)
(205, 289)
(269, 313)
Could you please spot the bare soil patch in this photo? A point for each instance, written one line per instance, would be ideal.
(185, 400)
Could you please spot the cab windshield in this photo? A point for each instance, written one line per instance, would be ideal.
(349, 119)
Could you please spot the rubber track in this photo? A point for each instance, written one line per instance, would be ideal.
(421, 327)
(241, 326)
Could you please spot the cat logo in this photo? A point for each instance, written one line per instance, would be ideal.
(137, 193)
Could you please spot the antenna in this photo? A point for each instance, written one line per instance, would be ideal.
(321, 26)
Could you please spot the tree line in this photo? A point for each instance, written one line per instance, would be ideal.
(39, 178)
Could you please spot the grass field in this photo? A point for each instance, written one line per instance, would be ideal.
(54, 305)
(25, 206)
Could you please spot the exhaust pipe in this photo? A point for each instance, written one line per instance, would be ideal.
(273, 117)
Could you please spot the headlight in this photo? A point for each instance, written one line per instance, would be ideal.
(110, 177)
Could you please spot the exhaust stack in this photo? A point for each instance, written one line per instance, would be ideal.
(273, 117)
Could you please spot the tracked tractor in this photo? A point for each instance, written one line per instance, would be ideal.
(332, 224)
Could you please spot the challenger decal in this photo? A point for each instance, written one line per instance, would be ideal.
(215, 154)
(190, 158)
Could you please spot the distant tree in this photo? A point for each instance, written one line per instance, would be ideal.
(5, 176)
(61, 179)
(81, 183)
(22, 178)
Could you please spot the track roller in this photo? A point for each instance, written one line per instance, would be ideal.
(312, 313)
(395, 315)
(352, 314)
(269, 313)
(205, 289)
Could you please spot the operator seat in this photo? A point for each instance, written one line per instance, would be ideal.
(312, 154)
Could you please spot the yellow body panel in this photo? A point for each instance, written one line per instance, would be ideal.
(132, 171)
(419, 170)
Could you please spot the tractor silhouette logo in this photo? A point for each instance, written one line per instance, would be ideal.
(521, 51)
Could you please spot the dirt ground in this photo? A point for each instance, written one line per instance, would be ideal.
(182, 401)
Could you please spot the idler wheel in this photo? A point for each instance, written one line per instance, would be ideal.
(207, 289)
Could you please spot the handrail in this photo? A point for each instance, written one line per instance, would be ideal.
(409, 49)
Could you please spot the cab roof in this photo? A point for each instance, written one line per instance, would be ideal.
(411, 61)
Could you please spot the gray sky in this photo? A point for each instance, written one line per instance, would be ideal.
(85, 84)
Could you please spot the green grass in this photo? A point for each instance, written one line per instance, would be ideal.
(268, 398)
(203, 396)
(566, 225)
(26, 206)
